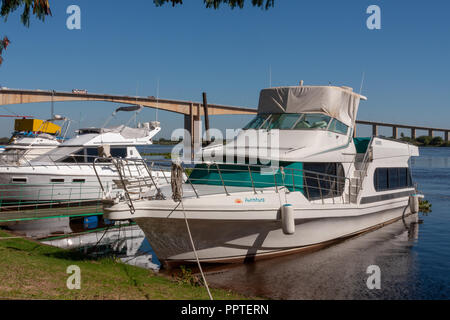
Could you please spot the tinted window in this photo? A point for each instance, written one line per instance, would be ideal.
(382, 179)
(272, 119)
(392, 178)
(256, 122)
(313, 121)
(337, 126)
(323, 180)
(91, 153)
(119, 152)
(77, 157)
(285, 121)
(403, 177)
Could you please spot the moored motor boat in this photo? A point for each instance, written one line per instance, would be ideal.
(32, 138)
(302, 182)
(68, 173)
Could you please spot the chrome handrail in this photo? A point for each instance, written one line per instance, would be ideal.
(364, 167)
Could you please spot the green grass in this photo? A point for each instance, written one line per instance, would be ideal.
(30, 270)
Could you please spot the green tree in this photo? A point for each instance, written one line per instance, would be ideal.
(437, 141)
(426, 140)
(41, 9)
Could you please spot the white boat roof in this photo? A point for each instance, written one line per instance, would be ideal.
(119, 135)
(337, 102)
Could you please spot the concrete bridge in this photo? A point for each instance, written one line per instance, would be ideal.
(395, 127)
(192, 111)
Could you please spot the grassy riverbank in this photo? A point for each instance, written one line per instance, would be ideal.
(30, 270)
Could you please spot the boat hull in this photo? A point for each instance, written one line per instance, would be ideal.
(76, 185)
(232, 241)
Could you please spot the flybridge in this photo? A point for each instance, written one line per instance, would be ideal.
(340, 103)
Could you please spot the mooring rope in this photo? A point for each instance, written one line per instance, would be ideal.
(177, 195)
(176, 181)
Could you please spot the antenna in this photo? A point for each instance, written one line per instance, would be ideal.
(157, 97)
(362, 82)
(270, 76)
(52, 110)
(135, 115)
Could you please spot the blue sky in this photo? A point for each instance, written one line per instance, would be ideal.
(125, 47)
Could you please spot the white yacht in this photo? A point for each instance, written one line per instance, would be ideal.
(69, 171)
(315, 185)
(32, 138)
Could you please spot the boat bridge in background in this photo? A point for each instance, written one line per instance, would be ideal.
(192, 111)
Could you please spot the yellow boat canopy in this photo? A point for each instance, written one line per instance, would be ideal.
(36, 125)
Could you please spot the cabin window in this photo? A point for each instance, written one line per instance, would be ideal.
(284, 121)
(77, 157)
(79, 180)
(243, 175)
(313, 121)
(296, 121)
(19, 180)
(256, 122)
(119, 152)
(91, 154)
(338, 127)
(57, 180)
(268, 123)
(314, 180)
(323, 180)
(392, 178)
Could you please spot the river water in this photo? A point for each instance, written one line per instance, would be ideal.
(413, 255)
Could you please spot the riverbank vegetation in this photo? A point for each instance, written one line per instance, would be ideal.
(427, 141)
(31, 270)
(166, 155)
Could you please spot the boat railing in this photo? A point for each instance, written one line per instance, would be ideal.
(364, 166)
(317, 187)
(27, 201)
(136, 177)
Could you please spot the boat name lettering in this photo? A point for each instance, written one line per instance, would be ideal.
(254, 199)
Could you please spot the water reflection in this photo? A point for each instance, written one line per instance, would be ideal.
(336, 272)
(127, 243)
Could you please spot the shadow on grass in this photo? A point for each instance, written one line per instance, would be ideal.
(70, 255)
(81, 255)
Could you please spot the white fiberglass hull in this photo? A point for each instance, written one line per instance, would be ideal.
(60, 183)
(224, 234)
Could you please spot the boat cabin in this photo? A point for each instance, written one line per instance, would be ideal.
(301, 139)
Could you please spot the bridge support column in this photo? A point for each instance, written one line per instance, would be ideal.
(193, 125)
(413, 133)
(446, 136)
(430, 132)
(374, 130)
(394, 132)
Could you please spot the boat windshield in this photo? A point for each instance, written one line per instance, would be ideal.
(257, 122)
(297, 121)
